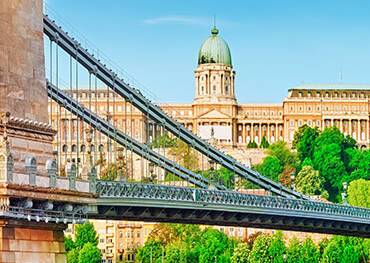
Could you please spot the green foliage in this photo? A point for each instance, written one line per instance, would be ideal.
(164, 141)
(72, 256)
(358, 165)
(221, 176)
(310, 252)
(69, 244)
(214, 247)
(264, 143)
(89, 254)
(327, 159)
(151, 252)
(309, 182)
(185, 155)
(293, 253)
(84, 248)
(359, 193)
(111, 171)
(85, 233)
(270, 167)
(344, 250)
(241, 254)
(281, 151)
(252, 145)
(304, 140)
(307, 252)
(277, 248)
(260, 250)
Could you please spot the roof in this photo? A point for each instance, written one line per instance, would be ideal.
(333, 86)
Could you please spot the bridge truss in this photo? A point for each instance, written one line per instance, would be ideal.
(204, 201)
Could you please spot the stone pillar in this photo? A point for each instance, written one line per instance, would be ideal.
(28, 242)
(243, 133)
(358, 137)
(22, 73)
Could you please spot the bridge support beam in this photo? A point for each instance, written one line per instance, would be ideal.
(28, 242)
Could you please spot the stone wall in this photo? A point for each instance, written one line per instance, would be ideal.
(22, 71)
(21, 243)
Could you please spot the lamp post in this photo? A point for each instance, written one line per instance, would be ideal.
(344, 193)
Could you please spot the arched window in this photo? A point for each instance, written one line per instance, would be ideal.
(83, 148)
(92, 148)
(64, 148)
(74, 148)
(101, 148)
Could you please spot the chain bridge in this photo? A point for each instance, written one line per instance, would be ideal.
(55, 186)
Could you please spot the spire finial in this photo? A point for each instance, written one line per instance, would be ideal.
(214, 30)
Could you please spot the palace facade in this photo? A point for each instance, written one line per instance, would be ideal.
(214, 114)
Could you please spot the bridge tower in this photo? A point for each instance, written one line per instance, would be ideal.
(35, 204)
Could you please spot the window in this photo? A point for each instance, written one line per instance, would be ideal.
(292, 123)
(214, 89)
(227, 89)
(214, 77)
(74, 148)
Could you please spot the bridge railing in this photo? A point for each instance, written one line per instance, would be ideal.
(109, 190)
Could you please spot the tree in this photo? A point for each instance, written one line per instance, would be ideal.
(259, 252)
(344, 250)
(270, 167)
(151, 252)
(359, 193)
(89, 254)
(277, 248)
(72, 255)
(240, 254)
(304, 141)
(68, 243)
(252, 144)
(310, 252)
(328, 161)
(163, 233)
(214, 247)
(264, 143)
(164, 141)
(309, 181)
(302, 253)
(358, 165)
(185, 155)
(85, 233)
(111, 171)
(294, 250)
(281, 151)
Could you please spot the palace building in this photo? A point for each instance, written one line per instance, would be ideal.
(214, 114)
(215, 111)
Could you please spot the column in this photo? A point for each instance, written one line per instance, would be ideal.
(252, 131)
(268, 133)
(243, 133)
(341, 125)
(358, 130)
(350, 127)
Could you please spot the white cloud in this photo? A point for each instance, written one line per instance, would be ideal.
(177, 19)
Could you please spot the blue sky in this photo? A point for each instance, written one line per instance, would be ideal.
(274, 44)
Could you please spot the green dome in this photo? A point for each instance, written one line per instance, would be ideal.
(214, 50)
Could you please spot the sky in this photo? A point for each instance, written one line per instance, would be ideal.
(275, 45)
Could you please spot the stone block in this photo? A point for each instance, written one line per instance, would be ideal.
(60, 258)
(8, 233)
(22, 234)
(58, 235)
(7, 257)
(45, 235)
